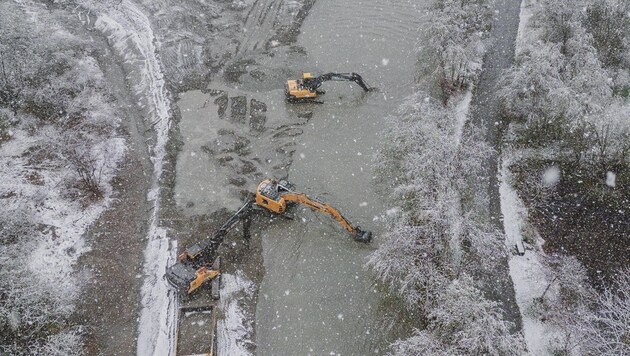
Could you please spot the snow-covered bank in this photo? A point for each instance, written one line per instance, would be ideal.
(235, 329)
(129, 31)
(39, 192)
(527, 271)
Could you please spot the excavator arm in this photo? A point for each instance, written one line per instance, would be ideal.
(209, 245)
(304, 199)
(314, 83)
(194, 267)
(301, 198)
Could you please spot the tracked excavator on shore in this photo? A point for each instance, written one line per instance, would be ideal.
(307, 88)
(199, 264)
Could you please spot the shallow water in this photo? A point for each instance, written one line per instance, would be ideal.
(317, 297)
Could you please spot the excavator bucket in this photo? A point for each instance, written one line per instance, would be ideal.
(362, 236)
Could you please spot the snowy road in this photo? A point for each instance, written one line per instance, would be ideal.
(485, 115)
(129, 32)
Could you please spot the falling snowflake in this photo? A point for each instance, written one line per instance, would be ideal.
(610, 179)
(551, 176)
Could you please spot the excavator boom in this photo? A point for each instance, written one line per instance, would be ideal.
(304, 199)
(316, 82)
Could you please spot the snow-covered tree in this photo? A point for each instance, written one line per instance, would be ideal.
(608, 21)
(436, 237)
(574, 288)
(457, 29)
(422, 343)
(463, 322)
(413, 262)
(531, 90)
(605, 329)
(564, 91)
(556, 19)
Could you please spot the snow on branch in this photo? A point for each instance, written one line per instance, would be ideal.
(434, 241)
(457, 32)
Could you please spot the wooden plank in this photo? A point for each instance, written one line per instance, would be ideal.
(520, 248)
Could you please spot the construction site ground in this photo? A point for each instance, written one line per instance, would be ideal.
(233, 128)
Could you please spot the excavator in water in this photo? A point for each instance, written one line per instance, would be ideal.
(307, 88)
(276, 195)
(195, 265)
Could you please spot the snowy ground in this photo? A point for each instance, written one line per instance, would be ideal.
(235, 330)
(130, 34)
(39, 190)
(527, 271)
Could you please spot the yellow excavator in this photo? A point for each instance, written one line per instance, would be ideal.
(197, 264)
(275, 195)
(307, 88)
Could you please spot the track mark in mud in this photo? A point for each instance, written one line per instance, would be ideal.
(233, 139)
(259, 25)
(250, 146)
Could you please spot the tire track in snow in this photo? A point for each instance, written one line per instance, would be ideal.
(130, 34)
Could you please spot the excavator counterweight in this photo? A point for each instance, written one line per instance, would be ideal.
(307, 88)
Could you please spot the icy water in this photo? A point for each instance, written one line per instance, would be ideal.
(316, 297)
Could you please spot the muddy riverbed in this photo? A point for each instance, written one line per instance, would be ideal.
(312, 294)
(316, 295)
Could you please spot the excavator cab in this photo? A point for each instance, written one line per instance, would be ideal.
(269, 195)
(297, 91)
